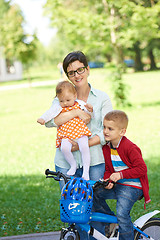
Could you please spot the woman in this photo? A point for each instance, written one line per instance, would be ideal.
(76, 67)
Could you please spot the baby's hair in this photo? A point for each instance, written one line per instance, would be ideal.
(119, 117)
(63, 86)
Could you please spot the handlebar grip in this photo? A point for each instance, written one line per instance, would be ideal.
(105, 183)
(47, 172)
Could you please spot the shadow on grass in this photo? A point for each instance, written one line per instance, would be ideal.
(29, 204)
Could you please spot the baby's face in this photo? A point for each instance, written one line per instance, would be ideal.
(67, 99)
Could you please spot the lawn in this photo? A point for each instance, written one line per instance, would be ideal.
(29, 201)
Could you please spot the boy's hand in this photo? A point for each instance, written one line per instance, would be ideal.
(41, 121)
(110, 185)
(89, 107)
(115, 177)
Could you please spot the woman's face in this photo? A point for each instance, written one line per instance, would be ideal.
(80, 77)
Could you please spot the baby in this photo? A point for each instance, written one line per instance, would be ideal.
(75, 129)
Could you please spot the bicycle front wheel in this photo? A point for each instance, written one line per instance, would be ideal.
(151, 228)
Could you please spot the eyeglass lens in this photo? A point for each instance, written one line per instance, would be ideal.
(79, 71)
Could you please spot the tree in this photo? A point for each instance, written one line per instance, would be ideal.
(107, 25)
(15, 42)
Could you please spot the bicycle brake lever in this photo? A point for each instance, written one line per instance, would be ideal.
(55, 178)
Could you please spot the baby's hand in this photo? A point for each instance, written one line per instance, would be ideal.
(89, 107)
(41, 121)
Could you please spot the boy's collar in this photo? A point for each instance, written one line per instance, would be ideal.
(111, 146)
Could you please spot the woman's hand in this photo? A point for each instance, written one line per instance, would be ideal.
(74, 145)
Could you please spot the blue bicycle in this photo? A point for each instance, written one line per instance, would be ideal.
(75, 208)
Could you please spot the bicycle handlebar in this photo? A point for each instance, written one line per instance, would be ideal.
(58, 176)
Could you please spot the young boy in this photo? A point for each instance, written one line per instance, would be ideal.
(124, 166)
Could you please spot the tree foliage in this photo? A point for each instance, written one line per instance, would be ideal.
(15, 43)
(107, 26)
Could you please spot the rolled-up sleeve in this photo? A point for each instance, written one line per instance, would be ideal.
(50, 124)
(50, 114)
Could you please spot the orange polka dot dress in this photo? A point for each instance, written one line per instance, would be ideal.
(73, 129)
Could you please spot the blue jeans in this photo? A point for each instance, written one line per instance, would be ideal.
(126, 197)
(95, 172)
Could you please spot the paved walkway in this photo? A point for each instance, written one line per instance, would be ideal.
(28, 85)
(35, 236)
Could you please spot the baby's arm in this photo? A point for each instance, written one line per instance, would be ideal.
(67, 116)
(51, 113)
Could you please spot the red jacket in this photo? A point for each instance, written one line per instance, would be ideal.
(131, 155)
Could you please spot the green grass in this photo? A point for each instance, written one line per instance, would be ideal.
(29, 202)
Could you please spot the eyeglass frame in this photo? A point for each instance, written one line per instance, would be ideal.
(76, 72)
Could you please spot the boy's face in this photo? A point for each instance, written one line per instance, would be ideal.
(67, 99)
(112, 132)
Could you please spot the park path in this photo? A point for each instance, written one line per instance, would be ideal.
(35, 236)
(28, 85)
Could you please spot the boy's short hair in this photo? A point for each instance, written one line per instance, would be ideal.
(119, 117)
(63, 86)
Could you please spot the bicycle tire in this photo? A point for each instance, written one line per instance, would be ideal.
(151, 228)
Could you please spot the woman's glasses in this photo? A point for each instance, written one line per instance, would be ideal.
(79, 71)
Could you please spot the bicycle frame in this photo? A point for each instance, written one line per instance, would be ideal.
(100, 217)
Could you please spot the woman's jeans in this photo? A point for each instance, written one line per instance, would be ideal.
(126, 196)
(95, 172)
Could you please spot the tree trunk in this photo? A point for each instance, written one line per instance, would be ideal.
(113, 28)
(138, 61)
(108, 57)
(152, 61)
